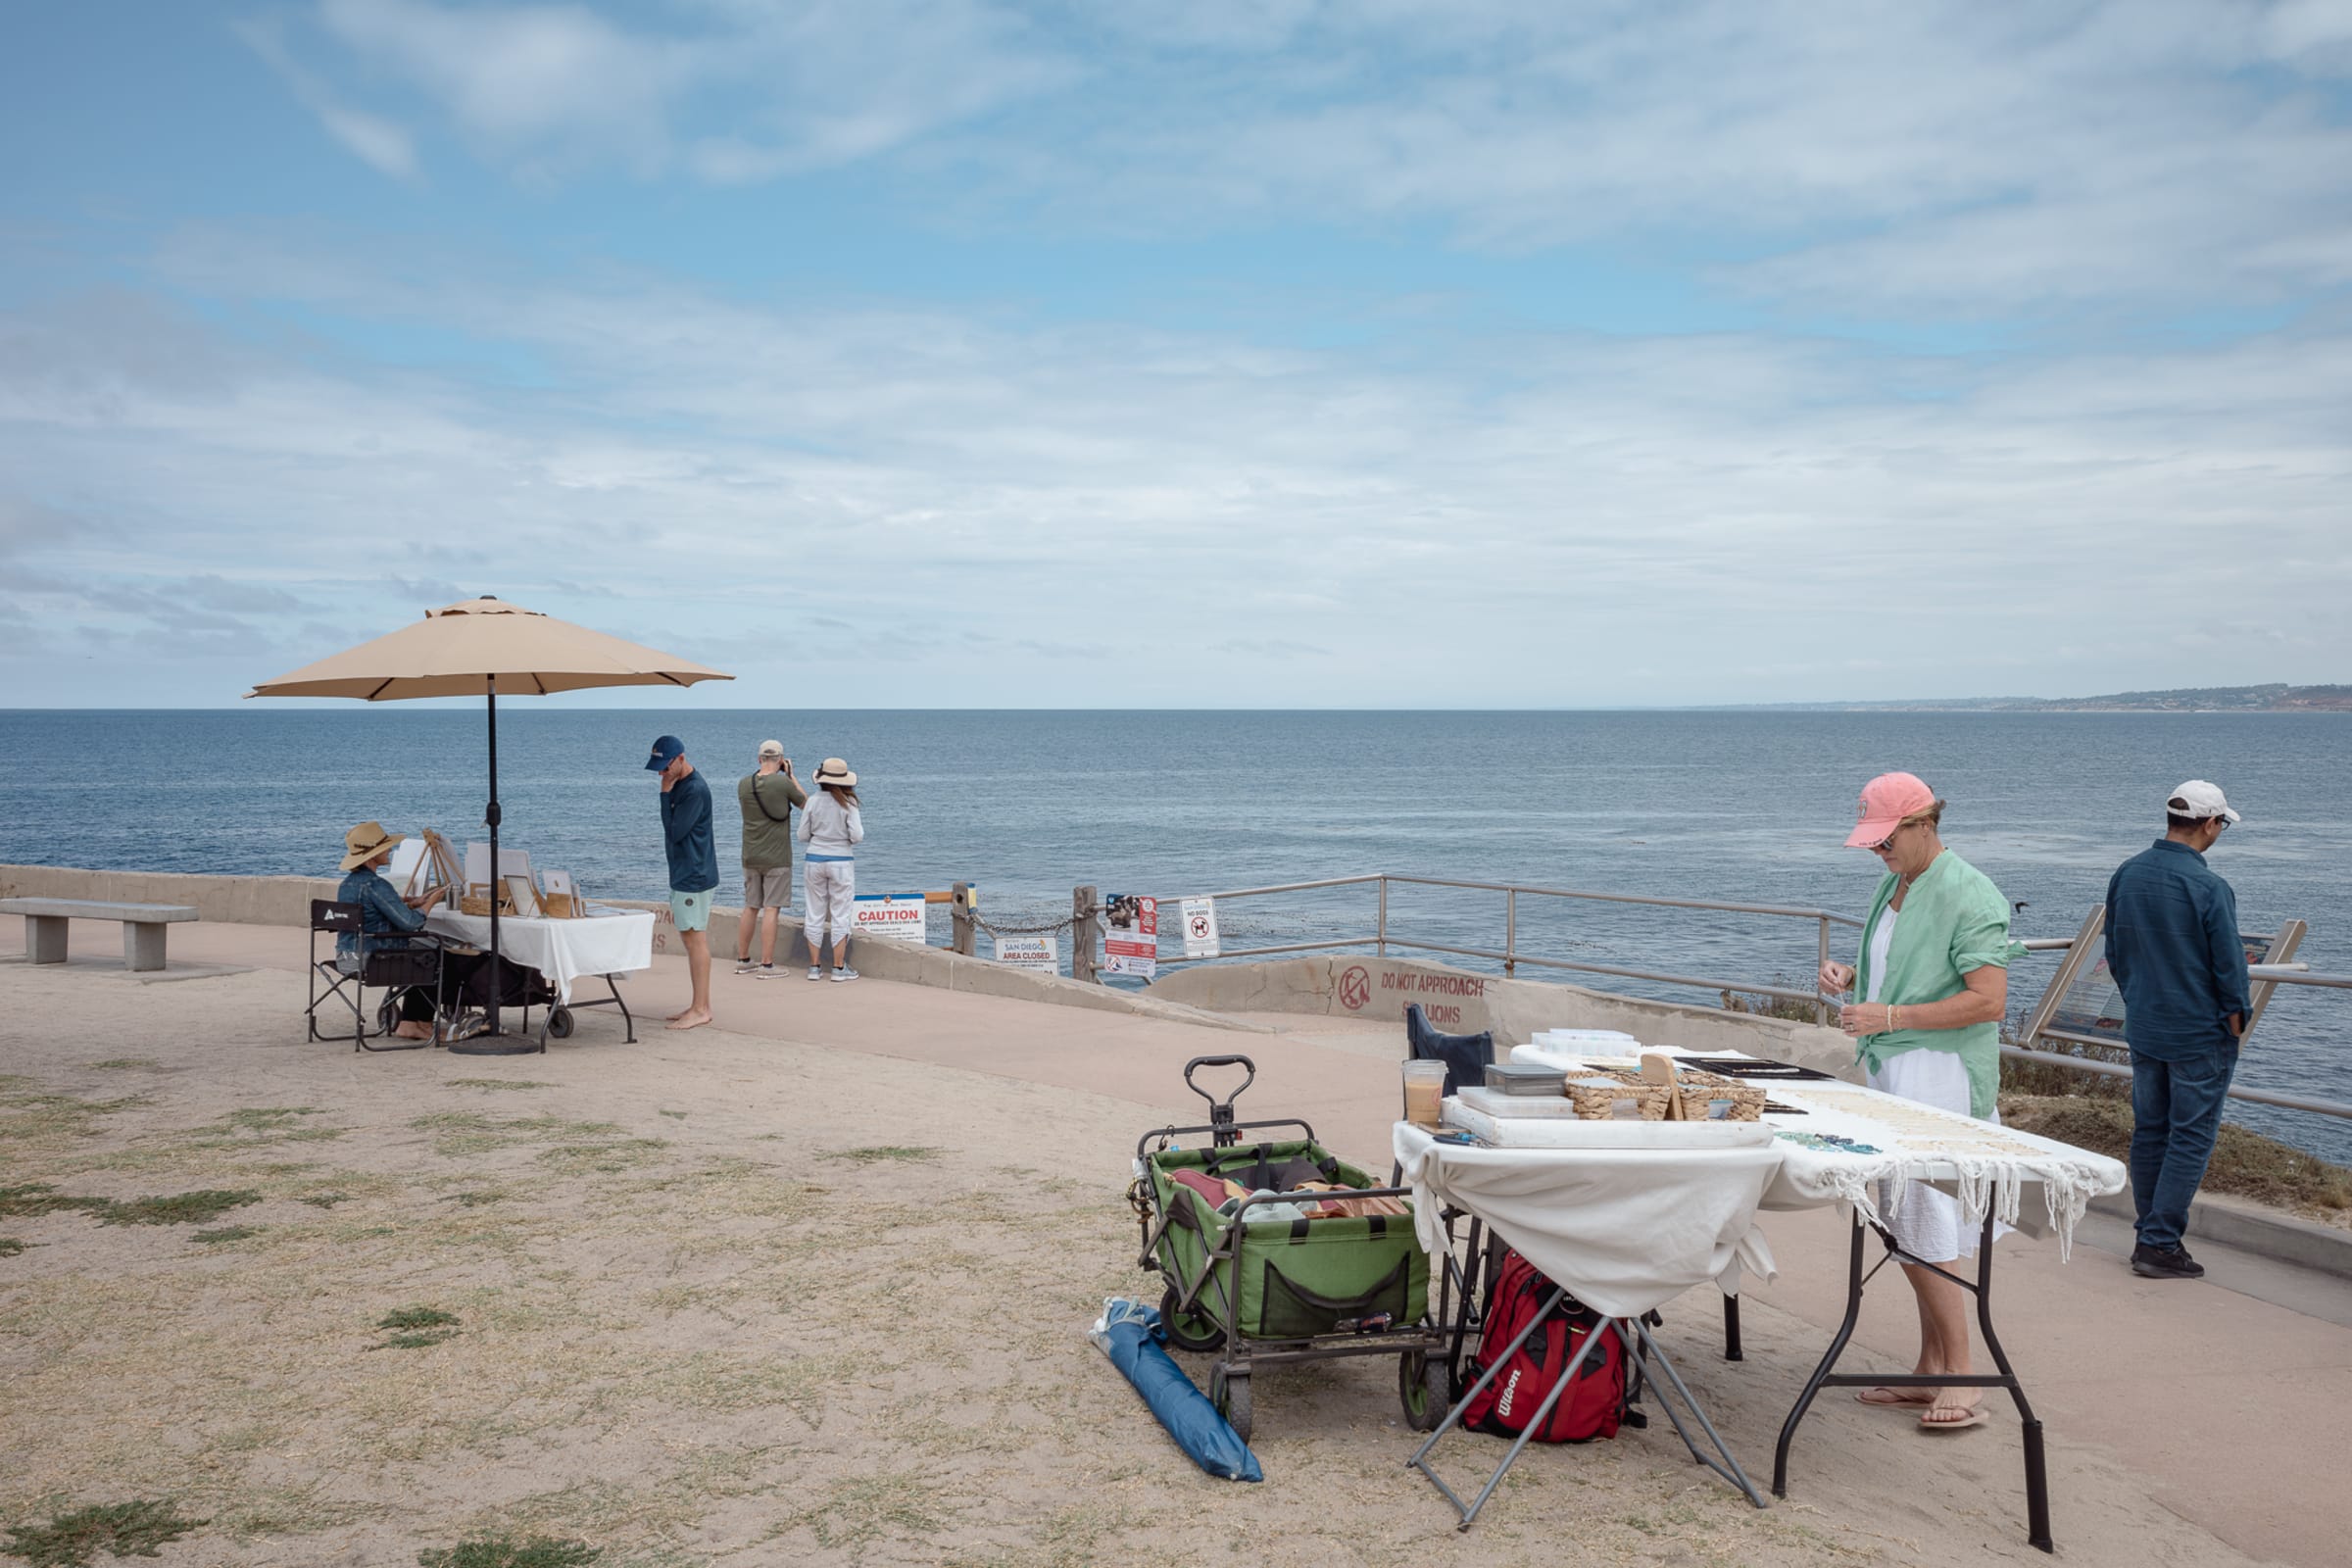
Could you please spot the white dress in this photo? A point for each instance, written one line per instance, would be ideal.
(1925, 1223)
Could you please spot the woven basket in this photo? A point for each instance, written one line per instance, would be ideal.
(1701, 1089)
(480, 903)
(1595, 1103)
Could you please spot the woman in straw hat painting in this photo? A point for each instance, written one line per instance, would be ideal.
(1929, 990)
(388, 919)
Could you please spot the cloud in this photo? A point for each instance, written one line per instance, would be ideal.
(377, 142)
(731, 94)
(1394, 523)
(1945, 156)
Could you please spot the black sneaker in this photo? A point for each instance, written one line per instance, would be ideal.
(2166, 1263)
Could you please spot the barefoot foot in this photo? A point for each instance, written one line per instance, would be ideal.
(691, 1018)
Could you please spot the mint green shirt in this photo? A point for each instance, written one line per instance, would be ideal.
(1953, 920)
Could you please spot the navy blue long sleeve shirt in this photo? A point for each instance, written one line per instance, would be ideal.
(2174, 950)
(686, 835)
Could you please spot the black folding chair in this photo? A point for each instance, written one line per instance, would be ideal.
(414, 964)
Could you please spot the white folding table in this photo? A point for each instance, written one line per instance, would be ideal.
(605, 942)
(1837, 1142)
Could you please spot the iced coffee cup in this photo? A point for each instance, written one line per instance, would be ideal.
(1423, 1093)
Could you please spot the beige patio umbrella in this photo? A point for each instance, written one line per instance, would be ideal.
(485, 645)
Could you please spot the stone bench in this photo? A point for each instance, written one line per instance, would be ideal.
(142, 926)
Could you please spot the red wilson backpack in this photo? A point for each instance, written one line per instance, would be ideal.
(1594, 1405)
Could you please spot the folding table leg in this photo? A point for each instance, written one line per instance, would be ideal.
(1644, 1351)
(1419, 1460)
(1826, 1375)
(1845, 1332)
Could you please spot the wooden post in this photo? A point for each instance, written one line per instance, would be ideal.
(1082, 934)
(959, 911)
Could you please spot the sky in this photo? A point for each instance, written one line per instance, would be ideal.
(952, 352)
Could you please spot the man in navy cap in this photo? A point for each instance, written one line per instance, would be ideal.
(693, 867)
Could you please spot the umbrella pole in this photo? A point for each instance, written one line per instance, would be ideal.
(494, 1042)
(491, 816)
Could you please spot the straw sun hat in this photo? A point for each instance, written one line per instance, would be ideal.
(365, 842)
(836, 771)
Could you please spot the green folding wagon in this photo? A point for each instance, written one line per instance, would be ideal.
(1266, 1287)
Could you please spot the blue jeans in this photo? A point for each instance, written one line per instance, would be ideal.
(2175, 1115)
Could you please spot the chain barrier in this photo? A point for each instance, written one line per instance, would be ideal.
(1054, 929)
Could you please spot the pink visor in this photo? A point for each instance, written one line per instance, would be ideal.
(1885, 801)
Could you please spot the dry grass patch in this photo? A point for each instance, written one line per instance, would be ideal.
(30, 1116)
(861, 1512)
(504, 1551)
(227, 1232)
(886, 1152)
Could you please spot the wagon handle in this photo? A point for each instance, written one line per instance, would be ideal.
(1220, 1112)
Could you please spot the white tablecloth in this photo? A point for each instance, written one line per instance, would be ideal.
(2036, 1184)
(602, 942)
(1625, 1230)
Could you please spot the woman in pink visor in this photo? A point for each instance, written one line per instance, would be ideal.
(1929, 992)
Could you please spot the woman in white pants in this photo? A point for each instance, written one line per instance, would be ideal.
(831, 829)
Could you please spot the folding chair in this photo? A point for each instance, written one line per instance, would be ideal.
(415, 965)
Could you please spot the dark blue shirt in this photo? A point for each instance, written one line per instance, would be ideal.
(382, 912)
(686, 835)
(2174, 951)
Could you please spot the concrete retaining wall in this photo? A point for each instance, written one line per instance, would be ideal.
(236, 899)
(1459, 1002)
(285, 900)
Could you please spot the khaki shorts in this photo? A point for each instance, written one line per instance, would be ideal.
(767, 889)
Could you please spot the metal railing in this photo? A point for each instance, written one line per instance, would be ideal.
(1382, 938)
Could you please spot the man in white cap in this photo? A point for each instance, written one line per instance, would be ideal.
(2174, 951)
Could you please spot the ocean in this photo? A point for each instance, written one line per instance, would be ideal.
(1738, 806)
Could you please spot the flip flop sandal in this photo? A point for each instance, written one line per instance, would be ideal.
(1975, 1418)
(1888, 1397)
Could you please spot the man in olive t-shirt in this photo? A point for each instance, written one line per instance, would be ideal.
(766, 798)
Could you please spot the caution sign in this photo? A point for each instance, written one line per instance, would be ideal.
(1131, 937)
(1199, 928)
(892, 916)
(1042, 954)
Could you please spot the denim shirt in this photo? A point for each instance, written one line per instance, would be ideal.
(2174, 951)
(381, 910)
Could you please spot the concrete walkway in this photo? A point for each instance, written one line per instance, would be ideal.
(2226, 1409)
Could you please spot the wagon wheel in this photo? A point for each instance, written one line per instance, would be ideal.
(1229, 1390)
(387, 1013)
(1188, 1330)
(559, 1023)
(1426, 1390)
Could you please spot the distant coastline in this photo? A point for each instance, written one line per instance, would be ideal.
(2276, 697)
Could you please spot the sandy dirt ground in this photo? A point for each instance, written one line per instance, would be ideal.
(729, 1299)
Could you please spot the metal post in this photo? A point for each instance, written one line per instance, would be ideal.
(1510, 931)
(1082, 934)
(2282, 948)
(959, 915)
(1381, 931)
(1821, 1009)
